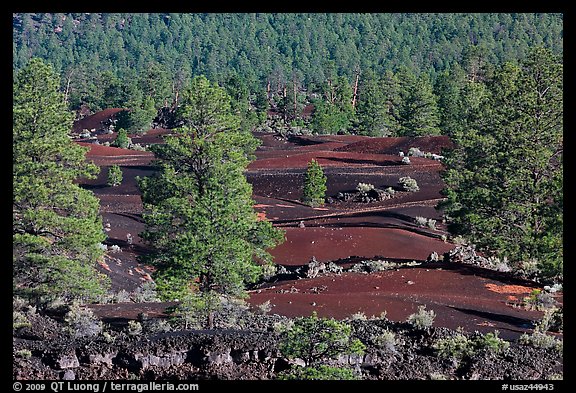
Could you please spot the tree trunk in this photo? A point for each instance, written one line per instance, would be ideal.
(295, 102)
(355, 90)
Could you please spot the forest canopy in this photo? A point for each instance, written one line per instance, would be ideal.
(94, 52)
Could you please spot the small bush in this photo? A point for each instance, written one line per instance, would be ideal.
(134, 328)
(423, 319)
(24, 353)
(420, 221)
(108, 337)
(314, 339)
(373, 266)
(155, 325)
(539, 300)
(19, 320)
(492, 343)
(541, 340)
(19, 303)
(552, 320)
(416, 152)
(425, 222)
(557, 320)
(406, 160)
(122, 296)
(408, 184)
(500, 265)
(460, 346)
(268, 271)
(114, 248)
(318, 373)
(137, 147)
(431, 223)
(146, 293)
(81, 322)
(364, 187)
(359, 316)
(459, 240)
(530, 267)
(455, 348)
(265, 307)
(385, 341)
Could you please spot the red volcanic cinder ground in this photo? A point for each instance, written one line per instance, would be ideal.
(460, 295)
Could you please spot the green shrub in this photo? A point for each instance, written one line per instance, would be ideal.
(265, 307)
(456, 347)
(492, 343)
(460, 346)
(114, 176)
(423, 319)
(122, 140)
(364, 187)
(196, 310)
(314, 339)
(408, 184)
(81, 322)
(359, 316)
(556, 323)
(19, 320)
(318, 373)
(421, 221)
(539, 300)
(134, 328)
(314, 185)
(155, 325)
(108, 337)
(385, 341)
(24, 353)
(541, 340)
(416, 152)
(146, 293)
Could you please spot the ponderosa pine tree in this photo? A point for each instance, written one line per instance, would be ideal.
(333, 113)
(372, 111)
(418, 109)
(504, 177)
(199, 211)
(314, 192)
(56, 226)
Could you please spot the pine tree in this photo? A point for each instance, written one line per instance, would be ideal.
(114, 176)
(122, 140)
(56, 226)
(314, 192)
(418, 110)
(372, 110)
(504, 178)
(333, 113)
(198, 208)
